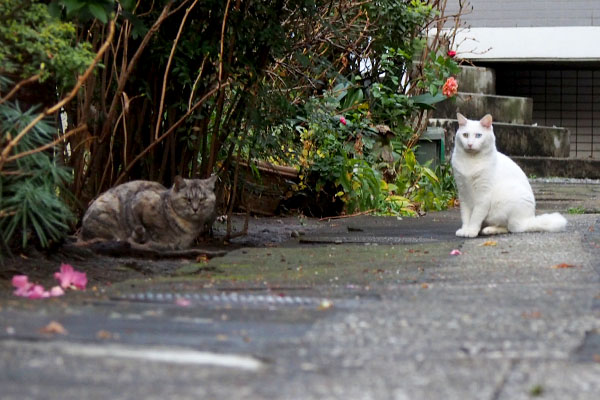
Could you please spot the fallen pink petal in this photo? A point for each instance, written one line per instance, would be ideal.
(38, 292)
(455, 252)
(183, 302)
(71, 278)
(56, 291)
(22, 285)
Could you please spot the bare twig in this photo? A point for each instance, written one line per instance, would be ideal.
(168, 67)
(59, 139)
(349, 215)
(19, 85)
(223, 41)
(63, 102)
(168, 132)
(196, 82)
(125, 76)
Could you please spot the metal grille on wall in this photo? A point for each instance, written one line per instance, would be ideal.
(568, 98)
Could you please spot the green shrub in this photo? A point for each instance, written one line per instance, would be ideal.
(31, 187)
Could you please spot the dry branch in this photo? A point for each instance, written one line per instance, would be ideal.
(63, 102)
(19, 85)
(168, 67)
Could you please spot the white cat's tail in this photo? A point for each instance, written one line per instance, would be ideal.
(546, 222)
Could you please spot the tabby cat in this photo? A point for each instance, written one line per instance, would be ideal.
(150, 216)
(494, 193)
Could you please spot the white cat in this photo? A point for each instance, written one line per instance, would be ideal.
(494, 192)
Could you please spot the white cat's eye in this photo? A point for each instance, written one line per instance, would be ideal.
(478, 135)
(465, 135)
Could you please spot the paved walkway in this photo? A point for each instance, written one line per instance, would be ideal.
(361, 308)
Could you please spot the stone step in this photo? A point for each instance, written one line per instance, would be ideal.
(476, 80)
(508, 109)
(559, 167)
(516, 139)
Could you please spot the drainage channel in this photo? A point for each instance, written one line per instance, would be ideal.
(233, 299)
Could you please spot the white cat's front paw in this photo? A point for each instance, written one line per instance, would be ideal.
(467, 232)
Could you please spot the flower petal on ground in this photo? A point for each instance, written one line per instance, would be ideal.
(183, 302)
(455, 252)
(38, 292)
(71, 278)
(56, 291)
(22, 285)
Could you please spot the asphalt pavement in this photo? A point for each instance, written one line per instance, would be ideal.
(354, 308)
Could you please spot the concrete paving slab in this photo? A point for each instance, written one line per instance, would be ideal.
(512, 317)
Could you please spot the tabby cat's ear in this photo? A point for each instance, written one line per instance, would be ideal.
(486, 121)
(179, 183)
(462, 120)
(211, 181)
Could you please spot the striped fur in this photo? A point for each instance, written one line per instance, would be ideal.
(148, 215)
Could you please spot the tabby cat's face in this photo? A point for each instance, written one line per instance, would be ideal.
(193, 198)
(474, 136)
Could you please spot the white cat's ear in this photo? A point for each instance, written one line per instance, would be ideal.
(462, 120)
(486, 121)
(179, 183)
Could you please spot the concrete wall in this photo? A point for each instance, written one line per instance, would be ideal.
(530, 13)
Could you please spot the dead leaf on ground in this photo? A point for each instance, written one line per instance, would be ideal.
(563, 265)
(531, 315)
(105, 335)
(54, 328)
(489, 243)
(202, 259)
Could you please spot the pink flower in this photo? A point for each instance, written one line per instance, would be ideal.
(455, 252)
(28, 289)
(343, 120)
(22, 285)
(38, 292)
(70, 278)
(451, 53)
(450, 88)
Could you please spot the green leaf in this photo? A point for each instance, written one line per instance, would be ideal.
(128, 5)
(430, 174)
(73, 5)
(427, 100)
(410, 160)
(98, 12)
(54, 9)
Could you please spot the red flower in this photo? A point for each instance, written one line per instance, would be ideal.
(343, 120)
(451, 53)
(450, 88)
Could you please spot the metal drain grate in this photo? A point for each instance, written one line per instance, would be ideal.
(221, 299)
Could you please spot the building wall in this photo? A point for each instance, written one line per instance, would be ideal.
(548, 50)
(529, 13)
(562, 96)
